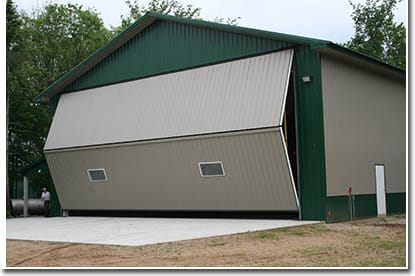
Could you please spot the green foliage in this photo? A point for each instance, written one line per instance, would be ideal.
(168, 7)
(229, 21)
(13, 24)
(61, 36)
(41, 48)
(377, 34)
(13, 66)
(267, 236)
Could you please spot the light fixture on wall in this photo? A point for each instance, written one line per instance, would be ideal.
(307, 79)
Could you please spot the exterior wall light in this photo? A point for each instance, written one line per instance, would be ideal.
(306, 79)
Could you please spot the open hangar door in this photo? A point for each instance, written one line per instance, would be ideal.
(206, 139)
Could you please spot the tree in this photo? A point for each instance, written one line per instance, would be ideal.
(13, 24)
(376, 32)
(229, 21)
(60, 37)
(43, 46)
(168, 7)
(46, 44)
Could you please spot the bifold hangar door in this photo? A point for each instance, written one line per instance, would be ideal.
(208, 138)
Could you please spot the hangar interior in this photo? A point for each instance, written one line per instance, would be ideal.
(289, 127)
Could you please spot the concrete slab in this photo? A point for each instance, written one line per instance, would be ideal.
(132, 231)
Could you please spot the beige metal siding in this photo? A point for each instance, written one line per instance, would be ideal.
(164, 175)
(242, 94)
(364, 117)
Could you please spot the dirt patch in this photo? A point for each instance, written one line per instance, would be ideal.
(376, 242)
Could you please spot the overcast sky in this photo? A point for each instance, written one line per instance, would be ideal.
(324, 19)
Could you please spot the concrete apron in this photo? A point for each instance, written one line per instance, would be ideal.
(132, 231)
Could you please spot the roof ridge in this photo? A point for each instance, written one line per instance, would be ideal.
(208, 23)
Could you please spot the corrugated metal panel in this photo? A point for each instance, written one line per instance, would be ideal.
(339, 209)
(165, 46)
(242, 94)
(364, 117)
(164, 175)
(396, 203)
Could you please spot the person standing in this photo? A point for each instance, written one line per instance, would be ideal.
(45, 197)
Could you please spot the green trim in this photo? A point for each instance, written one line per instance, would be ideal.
(237, 29)
(364, 206)
(395, 203)
(55, 206)
(54, 104)
(357, 55)
(310, 135)
(338, 207)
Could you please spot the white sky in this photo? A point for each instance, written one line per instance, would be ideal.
(323, 19)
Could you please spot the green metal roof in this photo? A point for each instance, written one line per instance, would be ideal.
(149, 18)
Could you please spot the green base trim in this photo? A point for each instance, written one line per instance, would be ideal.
(396, 203)
(338, 207)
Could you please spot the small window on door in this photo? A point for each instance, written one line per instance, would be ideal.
(97, 175)
(209, 169)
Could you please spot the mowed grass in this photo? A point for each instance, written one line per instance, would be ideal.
(375, 242)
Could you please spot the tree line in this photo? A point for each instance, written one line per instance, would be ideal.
(47, 42)
(40, 48)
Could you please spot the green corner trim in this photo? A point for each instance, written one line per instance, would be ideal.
(310, 134)
(55, 206)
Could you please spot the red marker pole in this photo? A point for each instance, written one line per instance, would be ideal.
(349, 191)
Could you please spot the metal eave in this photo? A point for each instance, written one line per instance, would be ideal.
(359, 59)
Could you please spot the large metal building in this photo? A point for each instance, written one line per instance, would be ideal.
(185, 115)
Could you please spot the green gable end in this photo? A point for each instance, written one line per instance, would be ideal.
(166, 46)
